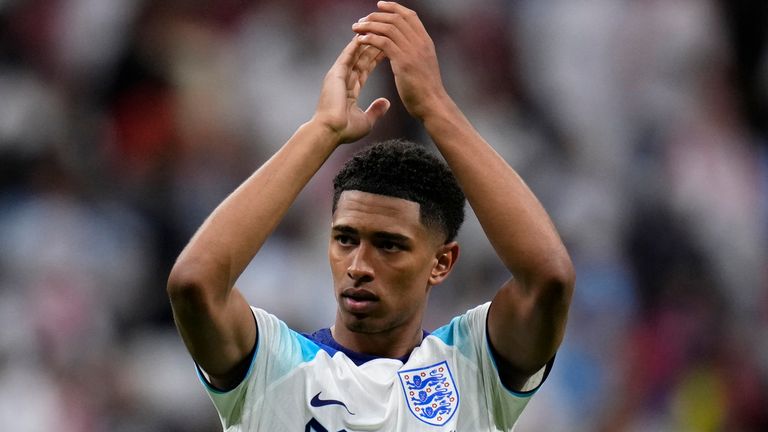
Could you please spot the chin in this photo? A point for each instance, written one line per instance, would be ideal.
(366, 325)
(362, 326)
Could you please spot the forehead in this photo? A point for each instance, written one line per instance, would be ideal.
(367, 211)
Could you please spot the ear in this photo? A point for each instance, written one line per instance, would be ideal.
(446, 257)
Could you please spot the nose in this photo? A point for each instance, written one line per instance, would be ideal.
(360, 269)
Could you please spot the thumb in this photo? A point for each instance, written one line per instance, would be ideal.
(378, 108)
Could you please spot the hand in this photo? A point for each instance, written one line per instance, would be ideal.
(398, 32)
(337, 108)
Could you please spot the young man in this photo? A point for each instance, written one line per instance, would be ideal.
(396, 213)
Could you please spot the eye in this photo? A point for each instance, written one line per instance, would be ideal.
(344, 240)
(390, 246)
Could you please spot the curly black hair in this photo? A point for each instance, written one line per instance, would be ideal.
(404, 169)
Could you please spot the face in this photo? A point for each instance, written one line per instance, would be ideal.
(384, 261)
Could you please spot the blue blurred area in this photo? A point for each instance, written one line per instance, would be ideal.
(642, 125)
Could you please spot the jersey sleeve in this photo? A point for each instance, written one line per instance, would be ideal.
(469, 334)
(278, 351)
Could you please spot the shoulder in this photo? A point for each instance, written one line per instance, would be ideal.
(465, 327)
(277, 340)
(468, 334)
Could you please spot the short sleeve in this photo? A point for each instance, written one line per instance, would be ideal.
(468, 334)
(278, 351)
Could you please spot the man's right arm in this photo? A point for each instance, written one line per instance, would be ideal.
(212, 316)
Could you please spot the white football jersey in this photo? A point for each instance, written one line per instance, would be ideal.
(299, 382)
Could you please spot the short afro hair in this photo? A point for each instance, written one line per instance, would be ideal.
(404, 169)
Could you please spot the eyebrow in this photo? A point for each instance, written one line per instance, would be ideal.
(381, 235)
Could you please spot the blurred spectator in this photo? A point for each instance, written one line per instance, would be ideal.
(641, 125)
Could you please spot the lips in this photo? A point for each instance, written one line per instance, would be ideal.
(358, 300)
(359, 294)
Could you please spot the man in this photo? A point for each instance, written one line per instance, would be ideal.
(376, 369)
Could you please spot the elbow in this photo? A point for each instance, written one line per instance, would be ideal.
(188, 284)
(563, 276)
(183, 282)
(555, 285)
(550, 301)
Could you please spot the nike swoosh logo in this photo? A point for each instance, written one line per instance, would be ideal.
(317, 402)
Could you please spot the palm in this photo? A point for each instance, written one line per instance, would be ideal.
(338, 105)
(352, 121)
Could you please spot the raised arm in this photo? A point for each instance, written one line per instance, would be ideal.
(528, 314)
(212, 316)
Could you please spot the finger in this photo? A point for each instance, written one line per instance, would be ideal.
(367, 62)
(393, 7)
(376, 110)
(367, 59)
(353, 71)
(368, 54)
(375, 62)
(392, 31)
(409, 15)
(348, 55)
(383, 43)
(394, 19)
(343, 66)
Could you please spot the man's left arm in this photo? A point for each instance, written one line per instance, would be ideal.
(527, 317)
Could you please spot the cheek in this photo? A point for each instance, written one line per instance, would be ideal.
(335, 254)
(414, 279)
(338, 266)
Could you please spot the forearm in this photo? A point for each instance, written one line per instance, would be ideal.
(232, 235)
(527, 318)
(213, 318)
(514, 220)
(528, 314)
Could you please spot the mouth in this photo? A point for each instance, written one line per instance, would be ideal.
(358, 301)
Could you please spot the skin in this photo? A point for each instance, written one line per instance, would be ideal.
(527, 317)
(212, 316)
(384, 262)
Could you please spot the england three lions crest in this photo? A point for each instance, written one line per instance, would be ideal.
(430, 393)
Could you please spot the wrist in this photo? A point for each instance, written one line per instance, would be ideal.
(440, 109)
(322, 131)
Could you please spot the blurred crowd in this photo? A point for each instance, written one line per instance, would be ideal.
(642, 125)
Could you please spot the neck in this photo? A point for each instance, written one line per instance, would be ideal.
(394, 343)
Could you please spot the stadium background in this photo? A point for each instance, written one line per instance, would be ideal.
(640, 124)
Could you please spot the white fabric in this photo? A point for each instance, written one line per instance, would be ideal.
(289, 371)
